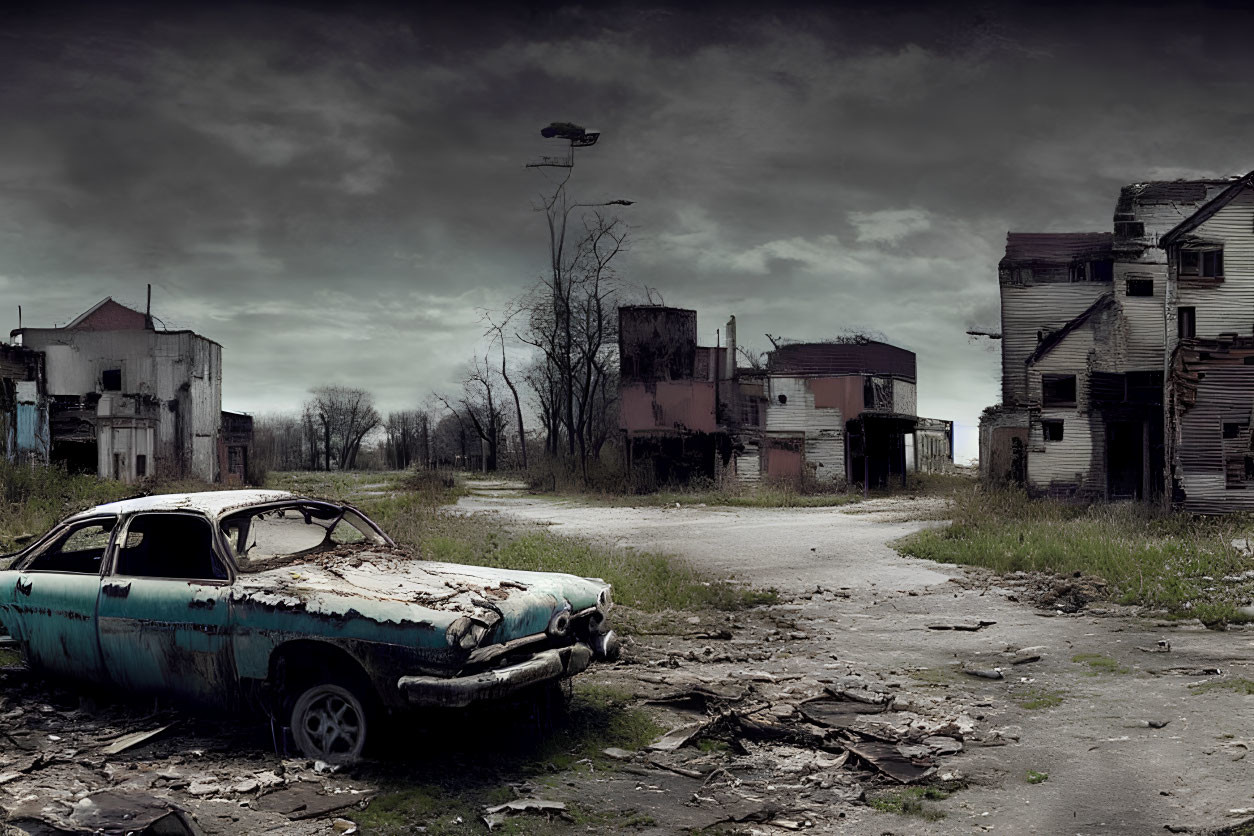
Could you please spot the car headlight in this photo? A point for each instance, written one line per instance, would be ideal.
(559, 624)
(605, 600)
(465, 633)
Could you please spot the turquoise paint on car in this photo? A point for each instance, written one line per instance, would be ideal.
(203, 596)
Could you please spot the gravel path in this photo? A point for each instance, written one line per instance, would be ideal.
(1110, 770)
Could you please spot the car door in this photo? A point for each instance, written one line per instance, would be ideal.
(52, 611)
(163, 609)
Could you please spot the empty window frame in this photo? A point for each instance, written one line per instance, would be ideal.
(111, 380)
(1232, 429)
(1140, 287)
(141, 465)
(1092, 271)
(1057, 390)
(1129, 229)
(78, 548)
(169, 546)
(1186, 322)
(1204, 264)
(1052, 430)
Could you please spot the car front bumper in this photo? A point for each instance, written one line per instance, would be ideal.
(461, 691)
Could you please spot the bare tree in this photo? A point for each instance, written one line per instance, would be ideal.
(497, 332)
(572, 321)
(405, 435)
(479, 408)
(344, 416)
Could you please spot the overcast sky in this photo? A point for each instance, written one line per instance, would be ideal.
(335, 196)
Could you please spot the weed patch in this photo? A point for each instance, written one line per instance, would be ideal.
(909, 801)
(1037, 777)
(1167, 561)
(1035, 699)
(1237, 685)
(1097, 663)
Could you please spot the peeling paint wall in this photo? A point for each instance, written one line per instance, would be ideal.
(167, 406)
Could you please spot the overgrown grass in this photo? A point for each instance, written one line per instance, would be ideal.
(1237, 685)
(457, 782)
(32, 500)
(1168, 561)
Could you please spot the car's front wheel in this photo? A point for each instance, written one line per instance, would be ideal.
(330, 723)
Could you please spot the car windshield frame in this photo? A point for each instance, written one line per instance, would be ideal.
(335, 511)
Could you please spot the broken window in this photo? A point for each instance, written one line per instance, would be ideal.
(1140, 287)
(177, 546)
(1052, 430)
(141, 465)
(111, 380)
(1186, 323)
(1232, 429)
(1092, 271)
(1129, 229)
(877, 393)
(1203, 263)
(78, 549)
(261, 538)
(1058, 390)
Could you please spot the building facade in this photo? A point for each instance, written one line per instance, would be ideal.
(1121, 353)
(840, 413)
(128, 401)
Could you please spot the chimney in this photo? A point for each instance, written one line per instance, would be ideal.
(148, 310)
(731, 348)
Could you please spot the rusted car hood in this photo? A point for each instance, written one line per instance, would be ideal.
(398, 591)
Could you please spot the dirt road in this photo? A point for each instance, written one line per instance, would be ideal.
(1132, 741)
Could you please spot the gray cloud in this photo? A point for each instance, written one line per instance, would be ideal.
(334, 195)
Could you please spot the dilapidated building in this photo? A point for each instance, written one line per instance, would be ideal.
(1122, 350)
(24, 434)
(840, 412)
(128, 401)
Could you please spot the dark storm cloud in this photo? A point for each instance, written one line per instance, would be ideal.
(334, 195)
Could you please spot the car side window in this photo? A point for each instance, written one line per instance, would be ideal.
(79, 549)
(176, 546)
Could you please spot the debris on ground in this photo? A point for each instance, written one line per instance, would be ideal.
(969, 627)
(496, 816)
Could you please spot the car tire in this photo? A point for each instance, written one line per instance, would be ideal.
(330, 723)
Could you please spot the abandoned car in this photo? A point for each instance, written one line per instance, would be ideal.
(303, 607)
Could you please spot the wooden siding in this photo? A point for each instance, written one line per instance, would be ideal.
(1227, 306)
(822, 427)
(1025, 310)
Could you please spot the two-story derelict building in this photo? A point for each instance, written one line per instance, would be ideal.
(1123, 351)
(840, 412)
(112, 394)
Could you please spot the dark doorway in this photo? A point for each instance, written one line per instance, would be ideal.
(1125, 459)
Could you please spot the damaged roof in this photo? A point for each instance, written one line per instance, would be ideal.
(210, 503)
(1207, 211)
(1104, 302)
(1058, 247)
